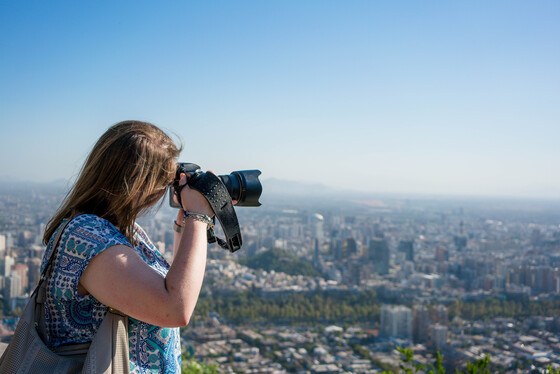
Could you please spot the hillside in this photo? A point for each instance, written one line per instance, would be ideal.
(280, 261)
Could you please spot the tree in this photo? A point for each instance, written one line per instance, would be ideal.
(191, 366)
(409, 366)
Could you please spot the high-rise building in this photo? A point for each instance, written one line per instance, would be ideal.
(12, 286)
(439, 314)
(439, 335)
(378, 253)
(420, 324)
(407, 247)
(396, 321)
(316, 253)
(315, 222)
(6, 264)
(349, 248)
(21, 270)
(34, 272)
(354, 274)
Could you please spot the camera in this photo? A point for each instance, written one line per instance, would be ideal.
(219, 190)
(243, 185)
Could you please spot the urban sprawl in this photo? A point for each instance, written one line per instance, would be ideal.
(464, 277)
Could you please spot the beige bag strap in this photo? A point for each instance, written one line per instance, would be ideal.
(114, 328)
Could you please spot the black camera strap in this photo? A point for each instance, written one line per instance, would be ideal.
(212, 188)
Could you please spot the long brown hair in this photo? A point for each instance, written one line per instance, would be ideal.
(125, 174)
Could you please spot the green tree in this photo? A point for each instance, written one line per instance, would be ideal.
(191, 366)
(281, 261)
(479, 367)
(409, 366)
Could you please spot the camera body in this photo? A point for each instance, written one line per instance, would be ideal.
(243, 186)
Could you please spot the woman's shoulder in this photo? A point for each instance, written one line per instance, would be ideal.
(92, 228)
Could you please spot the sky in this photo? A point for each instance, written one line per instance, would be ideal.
(408, 97)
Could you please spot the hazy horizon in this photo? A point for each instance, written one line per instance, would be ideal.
(455, 99)
(281, 188)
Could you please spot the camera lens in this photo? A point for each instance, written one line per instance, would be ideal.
(243, 186)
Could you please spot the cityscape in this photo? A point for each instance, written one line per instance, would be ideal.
(410, 217)
(464, 277)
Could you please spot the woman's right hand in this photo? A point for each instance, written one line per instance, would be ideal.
(194, 201)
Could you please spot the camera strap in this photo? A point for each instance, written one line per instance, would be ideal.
(212, 188)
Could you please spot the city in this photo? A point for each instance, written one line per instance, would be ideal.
(464, 277)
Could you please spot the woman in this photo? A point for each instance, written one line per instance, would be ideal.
(105, 259)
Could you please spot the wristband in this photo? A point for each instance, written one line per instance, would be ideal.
(178, 228)
(199, 217)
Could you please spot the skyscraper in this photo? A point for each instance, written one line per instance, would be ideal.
(379, 254)
(12, 286)
(407, 247)
(420, 324)
(315, 222)
(6, 264)
(34, 273)
(349, 248)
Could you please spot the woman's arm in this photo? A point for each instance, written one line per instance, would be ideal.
(118, 277)
(177, 234)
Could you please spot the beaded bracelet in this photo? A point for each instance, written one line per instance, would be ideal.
(199, 217)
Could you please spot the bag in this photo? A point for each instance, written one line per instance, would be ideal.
(27, 352)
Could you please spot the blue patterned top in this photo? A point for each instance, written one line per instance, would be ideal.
(72, 318)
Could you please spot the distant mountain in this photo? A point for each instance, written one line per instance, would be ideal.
(308, 193)
(280, 261)
(281, 187)
(275, 186)
(8, 184)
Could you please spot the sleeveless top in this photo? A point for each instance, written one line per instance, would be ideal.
(73, 318)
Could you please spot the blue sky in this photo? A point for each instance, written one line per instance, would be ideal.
(385, 96)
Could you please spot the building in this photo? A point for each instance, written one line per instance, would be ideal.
(420, 324)
(12, 286)
(34, 271)
(378, 253)
(460, 242)
(22, 271)
(6, 264)
(349, 248)
(439, 335)
(315, 222)
(407, 248)
(439, 315)
(396, 321)
(442, 254)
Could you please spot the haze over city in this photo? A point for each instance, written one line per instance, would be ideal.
(388, 97)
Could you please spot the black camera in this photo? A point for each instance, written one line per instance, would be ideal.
(219, 190)
(243, 185)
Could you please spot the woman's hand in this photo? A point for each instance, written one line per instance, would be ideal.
(194, 201)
